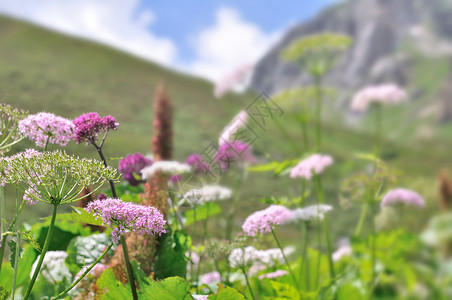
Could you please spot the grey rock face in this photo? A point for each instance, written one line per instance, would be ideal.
(378, 27)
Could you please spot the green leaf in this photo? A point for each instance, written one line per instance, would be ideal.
(6, 277)
(172, 288)
(79, 216)
(12, 248)
(84, 250)
(25, 264)
(112, 288)
(278, 168)
(202, 212)
(226, 293)
(170, 257)
(3, 293)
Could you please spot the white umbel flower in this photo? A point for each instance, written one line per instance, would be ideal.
(310, 212)
(207, 193)
(53, 267)
(166, 167)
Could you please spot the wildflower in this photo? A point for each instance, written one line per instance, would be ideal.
(263, 221)
(131, 165)
(386, 93)
(200, 297)
(311, 212)
(44, 128)
(89, 126)
(314, 164)
(234, 152)
(207, 193)
(402, 196)
(233, 128)
(242, 257)
(162, 141)
(9, 125)
(238, 77)
(53, 177)
(211, 277)
(53, 267)
(165, 167)
(268, 257)
(341, 252)
(126, 215)
(175, 179)
(271, 275)
(197, 164)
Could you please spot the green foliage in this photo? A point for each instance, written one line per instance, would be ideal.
(170, 258)
(203, 212)
(12, 247)
(278, 168)
(226, 293)
(323, 43)
(172, 288)
(112, 288)
(79, 215)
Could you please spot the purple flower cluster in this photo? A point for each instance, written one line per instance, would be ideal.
(131, 165)
(262, 221)
(43, 128)
(125, 215)
(385, 93)
(88, 126)
(402, 196)
(197, 163)
(234, 152)
(211, 277)
(314, 164)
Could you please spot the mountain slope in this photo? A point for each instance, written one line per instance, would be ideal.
(403, 41)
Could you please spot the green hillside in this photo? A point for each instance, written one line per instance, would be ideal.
(46, 71)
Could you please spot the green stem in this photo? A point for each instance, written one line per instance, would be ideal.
(248, 283)
(63, 293)
(377, 130)
(305, 264)
(319, 99)
(362, 218)
(305, 135)
(2, 225)
(16, 255)
(129, 270)
(43, 252)
(373, 250)
(47, 143)
(125, 251)
(326, 229)
(287, 262)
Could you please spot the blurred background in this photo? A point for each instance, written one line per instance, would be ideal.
(214, 58)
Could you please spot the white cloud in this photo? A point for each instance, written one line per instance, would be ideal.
(110, 22)
(229, 43)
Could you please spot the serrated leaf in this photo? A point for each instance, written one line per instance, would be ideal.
(172, 288)
(202, 212)
(12, 248)
(170, 258)
(226, 293)
(80, 216)
(112, 288)
(29, 238)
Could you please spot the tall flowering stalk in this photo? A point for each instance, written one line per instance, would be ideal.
(162, 142)
(88, 128)
(53, 178)
(308, 169)
(263, 221)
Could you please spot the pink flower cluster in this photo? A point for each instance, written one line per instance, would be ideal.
(125, 215)
(402, 196)
(211, 277)
(234, 152)
(262, 221)
(386, 93)
(314, 164)
(131, 165)
(88, 126)
(233, 128)
(276, 274)
(236, 77)
(43, 128)
(197, 163)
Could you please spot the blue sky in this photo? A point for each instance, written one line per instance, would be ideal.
(204, 38)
